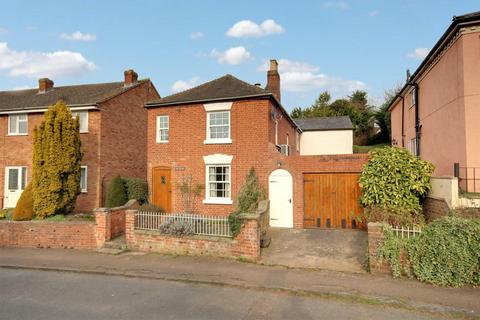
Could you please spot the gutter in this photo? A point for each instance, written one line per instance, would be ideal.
(77, 107)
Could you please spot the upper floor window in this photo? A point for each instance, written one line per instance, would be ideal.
(414, 96)
(17, 124)
(83, 117)
(218, 126)
(163, 128)
(413, 146)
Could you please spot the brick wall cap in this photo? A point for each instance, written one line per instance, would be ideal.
(375, 224)
(192, 237)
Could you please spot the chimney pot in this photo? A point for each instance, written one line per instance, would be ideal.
(258, 84)
(44, 85)
(131, 77)
(273, 80)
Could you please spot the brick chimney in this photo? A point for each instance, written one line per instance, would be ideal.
(131, 77)
(273, 79)
(44, 85)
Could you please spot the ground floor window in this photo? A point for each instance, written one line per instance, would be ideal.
(83, 178)
(218, 181)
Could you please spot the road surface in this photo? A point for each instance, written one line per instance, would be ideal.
(30, 294)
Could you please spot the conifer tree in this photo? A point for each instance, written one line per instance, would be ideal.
(56, 162)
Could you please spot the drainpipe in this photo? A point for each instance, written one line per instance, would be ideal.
(417, 120)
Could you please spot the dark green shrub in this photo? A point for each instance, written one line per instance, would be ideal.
(24, 209)
(395, 180)
(116, 193)
(136, 189)
(447, 252)
(248, 197)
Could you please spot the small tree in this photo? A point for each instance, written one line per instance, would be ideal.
(56, 162)
(116, 193)
(249, 195)
(189, 191)
(393, 181)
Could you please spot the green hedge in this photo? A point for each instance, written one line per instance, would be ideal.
(120, 190)
(447, 252)
(136, 189)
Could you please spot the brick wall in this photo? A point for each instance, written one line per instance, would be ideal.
(434, 208)
(41, 234)
(245, 245)
(375, 238)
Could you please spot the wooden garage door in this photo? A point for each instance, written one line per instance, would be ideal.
(332, 200)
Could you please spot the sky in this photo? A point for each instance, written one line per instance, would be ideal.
(339, 46)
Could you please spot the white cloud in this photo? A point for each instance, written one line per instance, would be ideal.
(419, 53)
(339, 5)
(22, 88)
(298, 76)
(197, 35)
(78, 36)
(182, 85)
(248, 28)
(234, 55)
(33, 64)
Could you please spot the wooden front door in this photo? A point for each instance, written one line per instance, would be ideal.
(332, 200)
(161, 188)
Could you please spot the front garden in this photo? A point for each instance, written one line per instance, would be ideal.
(445, 251)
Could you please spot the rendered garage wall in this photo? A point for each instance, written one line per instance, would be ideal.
(326, 142)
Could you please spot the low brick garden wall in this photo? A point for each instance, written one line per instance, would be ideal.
(110, 222)
(375, 238)
(42, 234)
(245, 245)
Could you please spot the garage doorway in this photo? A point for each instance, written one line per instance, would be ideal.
(280, 193)
(331, 200)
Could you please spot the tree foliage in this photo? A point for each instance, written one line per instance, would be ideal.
(56, 162)
(355, 106)
(137, 189)
(116, 193)
(395, 180)
(24, 209)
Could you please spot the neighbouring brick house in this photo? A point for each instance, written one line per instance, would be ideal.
(436, 114)
(214, 133)
(112, 129)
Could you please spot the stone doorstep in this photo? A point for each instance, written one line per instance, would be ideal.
(115, 246)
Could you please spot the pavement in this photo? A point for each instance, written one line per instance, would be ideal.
(337, 250)
(339, 286)
(32, 294)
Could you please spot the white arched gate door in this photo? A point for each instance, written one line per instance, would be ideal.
(281, 199)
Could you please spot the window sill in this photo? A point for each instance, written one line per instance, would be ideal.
(218, 141)
(16, 134)
(217, 201)
(162, 142)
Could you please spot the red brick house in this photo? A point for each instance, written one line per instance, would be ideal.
(214, 133)
(112, 129)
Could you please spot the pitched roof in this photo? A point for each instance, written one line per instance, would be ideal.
(85, 94)
(224, 88)
(458, 22)
(324, 123)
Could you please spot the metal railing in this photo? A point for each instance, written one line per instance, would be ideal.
(198, 224)
(468, 178)
(406, 232)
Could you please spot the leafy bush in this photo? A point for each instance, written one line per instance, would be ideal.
(136, 189)
(150, 208)
(116, 193)
(24, 209)
(176, 227)
(249, 195)
(447, 252)
(56, 162)
(3, 214)
(395, 180)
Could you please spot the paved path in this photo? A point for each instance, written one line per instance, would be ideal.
(348, 287)
(337, 250)
(56, 295)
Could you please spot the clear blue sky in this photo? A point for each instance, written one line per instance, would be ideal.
(334, 45)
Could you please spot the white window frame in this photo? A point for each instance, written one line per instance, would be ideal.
(218, 107)
(17, 116)
(84, 190)
(217, 160)
(414, 99)
(74, 115)
(413, 146)
(158, 135)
